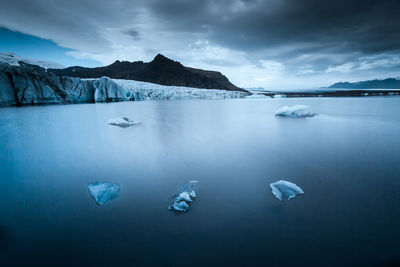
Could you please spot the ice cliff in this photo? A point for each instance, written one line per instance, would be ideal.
(151, 91)
(31, 84)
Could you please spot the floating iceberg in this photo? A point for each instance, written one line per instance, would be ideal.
(185, 197)
(123, 122)
(279, 96)
(179, 206)
(255, 95)
(103, 191)
(285, 190)
(297, 111)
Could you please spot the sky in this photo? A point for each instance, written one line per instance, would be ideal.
(275, 44)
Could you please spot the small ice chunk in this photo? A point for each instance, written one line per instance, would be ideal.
(123, 122)
(285, 190)
(179, 206)
(279, 96)
(184, 196)
(255, 95)
(297, 111)
(103, 191)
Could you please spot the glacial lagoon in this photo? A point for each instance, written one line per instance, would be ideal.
(346, 159)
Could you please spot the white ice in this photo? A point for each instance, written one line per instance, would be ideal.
(179, 206)
(297, 111)
(185, 197)
(285, 190)
(279, 96)
(123, 122)
(103, 191)
(13, 59)
(150, 91)
(257, 96)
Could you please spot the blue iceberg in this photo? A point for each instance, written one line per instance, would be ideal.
(179, 206)
(285, 190)
(297, 111)
(185, 197)
(103, 192)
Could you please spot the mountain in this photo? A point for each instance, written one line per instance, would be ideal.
(390, 83)
(13, 59)
(161, 70)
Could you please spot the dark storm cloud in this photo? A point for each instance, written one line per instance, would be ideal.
(368, 26)
(307, 36)
(133, 33)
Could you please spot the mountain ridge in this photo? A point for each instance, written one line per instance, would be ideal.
(161, 70)
(389, 83)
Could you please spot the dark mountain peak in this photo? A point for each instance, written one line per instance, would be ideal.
(160, 70)
(161, 57)
(163, 60)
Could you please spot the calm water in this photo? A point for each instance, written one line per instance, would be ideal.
(347, 160)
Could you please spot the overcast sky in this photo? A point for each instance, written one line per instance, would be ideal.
(279, 44)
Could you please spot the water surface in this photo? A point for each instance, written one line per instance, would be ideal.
(347, 161)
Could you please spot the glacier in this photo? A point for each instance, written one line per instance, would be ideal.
(140, 91)
(28, 84)
(103, 192)
(122, 122)
(185, 197)
(285, 190)
(297, 111)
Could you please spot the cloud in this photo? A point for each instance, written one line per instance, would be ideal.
(270, 41)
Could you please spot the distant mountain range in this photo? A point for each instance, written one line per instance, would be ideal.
(161, 70)
(390, 83)
(13, 59)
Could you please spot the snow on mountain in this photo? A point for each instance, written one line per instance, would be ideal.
(13, 59)
(150, 91)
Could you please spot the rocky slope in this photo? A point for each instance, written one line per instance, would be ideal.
(161, 70)
(30, 84)
(390, 83)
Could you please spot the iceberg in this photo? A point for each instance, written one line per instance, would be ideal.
(297, 111)
(279, 96)
(179, 206)
(252, 96)
(123, 122)
(285, 190)
(185, 197)
(103, 192)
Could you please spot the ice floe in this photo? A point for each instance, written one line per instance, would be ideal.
(103, 191)
(253, 96)
(123, 122)
(285, 190)
(185, 197)
(297, 111)
(279, 96)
